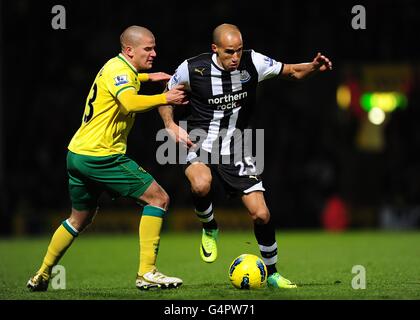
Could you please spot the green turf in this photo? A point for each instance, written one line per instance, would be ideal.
(104, 266)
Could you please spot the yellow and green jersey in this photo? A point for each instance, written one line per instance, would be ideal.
(105, 127)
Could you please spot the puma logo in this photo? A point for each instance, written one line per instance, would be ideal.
(200, 70)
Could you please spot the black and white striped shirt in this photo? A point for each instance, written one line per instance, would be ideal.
(222, 102)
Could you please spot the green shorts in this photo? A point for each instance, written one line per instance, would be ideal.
(117, 174)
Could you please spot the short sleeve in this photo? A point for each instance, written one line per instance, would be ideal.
(266, 67)
(181, 76)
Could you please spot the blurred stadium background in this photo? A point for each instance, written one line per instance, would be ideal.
(342, 149)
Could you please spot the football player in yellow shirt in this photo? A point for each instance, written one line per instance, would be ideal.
(96, 160)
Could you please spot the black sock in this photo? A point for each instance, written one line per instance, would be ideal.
(266, 238)
(204, 211)
(201, 204)
(271, 268)
(211, 225)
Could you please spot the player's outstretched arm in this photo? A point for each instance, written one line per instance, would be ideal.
(132, 102)
(302, 71)
(154, 77)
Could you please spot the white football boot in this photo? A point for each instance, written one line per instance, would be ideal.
(156, 279)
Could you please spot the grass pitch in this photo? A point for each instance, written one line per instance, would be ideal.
(104, 266)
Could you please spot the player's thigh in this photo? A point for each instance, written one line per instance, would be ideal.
(117, 174)
(256, 205)
(84, 193)
(199, 176)
(122, 177)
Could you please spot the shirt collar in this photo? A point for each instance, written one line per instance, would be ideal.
(121, 56)
(214, 58)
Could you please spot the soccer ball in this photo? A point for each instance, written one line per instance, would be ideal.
(248, 272)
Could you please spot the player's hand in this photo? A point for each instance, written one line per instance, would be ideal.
(177, 96)
(322, 63)
(159, 76)
(179, 135)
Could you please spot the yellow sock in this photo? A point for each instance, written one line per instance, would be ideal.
(149, 232)
(60, 242)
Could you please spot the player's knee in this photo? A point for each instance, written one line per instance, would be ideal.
(165, 201)
(161, 200)
(261, 216)
(80, 224)
(201, 187)
(82, 219)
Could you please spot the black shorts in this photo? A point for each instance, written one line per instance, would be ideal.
(236, 177)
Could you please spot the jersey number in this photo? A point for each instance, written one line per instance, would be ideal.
(89, 116)
(243, 166)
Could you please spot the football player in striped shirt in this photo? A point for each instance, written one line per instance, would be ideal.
(222, 86)
(96, 160)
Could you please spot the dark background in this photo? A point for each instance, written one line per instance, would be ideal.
(311, 154)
